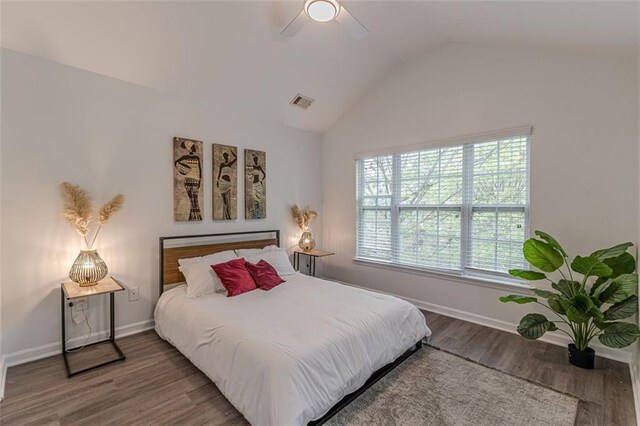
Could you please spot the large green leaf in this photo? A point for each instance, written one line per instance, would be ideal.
(614, 251)
(533, 326)
(567, 288)
(556, 305)
(551, 241)
(619, 334)
(525, 274)
(590, 267)
(542, 255)
(622, 310)
(623, 264)
(596, 314)
(577, 308)
(599, 286)
(619, 289)
(520, 300)
(544, 293)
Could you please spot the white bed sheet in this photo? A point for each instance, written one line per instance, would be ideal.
(286, 356)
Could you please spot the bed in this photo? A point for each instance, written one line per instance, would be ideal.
(293, 355)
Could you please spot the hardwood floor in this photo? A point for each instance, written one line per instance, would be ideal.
(606, 393)
(157, 385)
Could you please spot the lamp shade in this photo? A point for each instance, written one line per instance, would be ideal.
(88, 268)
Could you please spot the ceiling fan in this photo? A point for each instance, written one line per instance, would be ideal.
(325, 11)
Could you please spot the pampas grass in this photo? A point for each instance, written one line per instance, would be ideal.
(303, 217)
(110, 208)
(78, 206)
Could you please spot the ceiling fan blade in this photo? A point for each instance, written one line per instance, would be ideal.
(295, 25)
(352, 25)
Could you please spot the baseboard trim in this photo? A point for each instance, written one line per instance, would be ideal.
(44, 351)
(553, 338)
(51, 349)
(3, 376)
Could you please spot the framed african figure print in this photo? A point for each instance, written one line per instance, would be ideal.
(188, 192)
(225, 182)
(255, 184)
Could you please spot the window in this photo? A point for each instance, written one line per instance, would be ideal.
(463, 207)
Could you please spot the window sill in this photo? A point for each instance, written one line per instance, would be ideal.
(490, 282)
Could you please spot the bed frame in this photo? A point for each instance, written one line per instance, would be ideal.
(169, 272)
(170, 275)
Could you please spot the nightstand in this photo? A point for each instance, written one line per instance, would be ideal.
(70, 291)
(312, 254)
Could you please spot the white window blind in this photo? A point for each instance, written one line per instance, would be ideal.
(461, 208)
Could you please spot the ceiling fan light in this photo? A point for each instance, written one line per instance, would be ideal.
(322, 10)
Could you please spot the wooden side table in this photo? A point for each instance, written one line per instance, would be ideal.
(312, 255)
(70, 291)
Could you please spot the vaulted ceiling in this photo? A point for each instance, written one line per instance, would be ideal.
(230, 53)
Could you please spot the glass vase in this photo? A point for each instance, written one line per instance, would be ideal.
(88, 268)
(307, 243)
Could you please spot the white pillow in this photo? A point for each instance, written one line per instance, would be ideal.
(275, 257)
(214, 258)
(201, 279)
(255, 252)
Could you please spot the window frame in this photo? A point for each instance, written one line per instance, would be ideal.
(466, 208)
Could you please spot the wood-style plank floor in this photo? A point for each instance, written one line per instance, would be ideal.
(157, 385)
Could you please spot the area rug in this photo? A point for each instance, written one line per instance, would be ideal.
(433, 387)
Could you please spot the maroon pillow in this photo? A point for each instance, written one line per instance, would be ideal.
(264, 274)
(234, 277)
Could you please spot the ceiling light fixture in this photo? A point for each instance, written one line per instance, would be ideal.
(322, 10)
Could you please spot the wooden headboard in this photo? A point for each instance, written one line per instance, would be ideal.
(201, 245)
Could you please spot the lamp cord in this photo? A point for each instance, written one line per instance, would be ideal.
(86, 320)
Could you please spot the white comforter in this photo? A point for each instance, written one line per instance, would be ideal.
(286, 356)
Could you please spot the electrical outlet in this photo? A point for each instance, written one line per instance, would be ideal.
(133, 294)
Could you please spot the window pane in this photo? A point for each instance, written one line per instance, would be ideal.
(499, 204)
(511, 227)
(450, 190)
(431, 177)
(412, 206)
(512, 188)
(430, 237)
(375, 234)
(485, 158)
(483, 225)
(408, 236)
(509, 256)
(483, 253)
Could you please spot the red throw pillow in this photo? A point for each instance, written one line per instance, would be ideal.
(264, 274)
(234, 277)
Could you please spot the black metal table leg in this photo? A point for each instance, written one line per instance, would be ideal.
(313, 266)
(64, 335)
(112, 322)
(111, 339)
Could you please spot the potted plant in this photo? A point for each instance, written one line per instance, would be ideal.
(592, 295)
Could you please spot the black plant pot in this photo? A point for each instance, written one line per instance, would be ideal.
(582, 359)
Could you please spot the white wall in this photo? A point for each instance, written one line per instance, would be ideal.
(635, 365)
(584, 154)
(109, 136)
(2, 359)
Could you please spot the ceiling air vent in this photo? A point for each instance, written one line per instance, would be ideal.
(302, 101)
